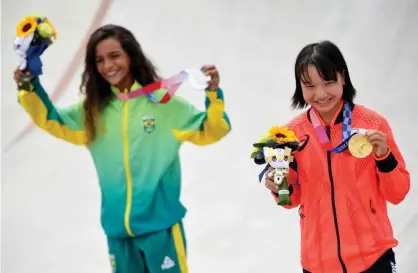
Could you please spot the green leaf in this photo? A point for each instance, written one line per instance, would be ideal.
(259, 145)
(271, 143)
(257, 155)
(254, 154)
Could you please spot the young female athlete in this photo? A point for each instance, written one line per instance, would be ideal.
(342, 196)
(134, 145)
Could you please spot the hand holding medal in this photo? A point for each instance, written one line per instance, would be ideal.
(364, 143)
(359, 145)
(379, 142)
(360, 142)
(207, 78)
(210, 77)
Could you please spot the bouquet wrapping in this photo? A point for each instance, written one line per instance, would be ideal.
(34, 34)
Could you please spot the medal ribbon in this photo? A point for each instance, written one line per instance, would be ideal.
(171, 84)
(346, 131)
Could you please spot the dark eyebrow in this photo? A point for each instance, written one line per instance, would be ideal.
(111, 52)
(114, 51)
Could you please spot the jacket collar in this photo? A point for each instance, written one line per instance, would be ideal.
(134, 86)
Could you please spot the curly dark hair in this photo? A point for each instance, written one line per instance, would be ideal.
(96, 89)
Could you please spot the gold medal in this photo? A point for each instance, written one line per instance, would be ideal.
(359, 146)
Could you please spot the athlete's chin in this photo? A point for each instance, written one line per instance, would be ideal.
(114, 81)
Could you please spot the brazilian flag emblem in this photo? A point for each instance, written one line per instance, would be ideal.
(149, 124)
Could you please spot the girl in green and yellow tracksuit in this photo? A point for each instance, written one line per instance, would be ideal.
(134, 145)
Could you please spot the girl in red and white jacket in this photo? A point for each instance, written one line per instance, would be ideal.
(342, 199)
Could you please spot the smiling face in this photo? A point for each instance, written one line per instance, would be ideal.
(322, 79)
(324, 96)
(113, 63)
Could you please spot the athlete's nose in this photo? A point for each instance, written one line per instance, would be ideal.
(320, 93)
(108, 64)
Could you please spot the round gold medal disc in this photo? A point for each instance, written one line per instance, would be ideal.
(359, 146)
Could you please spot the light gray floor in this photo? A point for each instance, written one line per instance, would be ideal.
(50, 196)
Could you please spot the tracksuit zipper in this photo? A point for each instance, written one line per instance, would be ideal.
(334, 210)
(127, 168)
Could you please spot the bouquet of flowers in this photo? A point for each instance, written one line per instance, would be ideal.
(276, 150)
(34, 34)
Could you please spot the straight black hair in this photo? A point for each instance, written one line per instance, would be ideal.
(329, 61)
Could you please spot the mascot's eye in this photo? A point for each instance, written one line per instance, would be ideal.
(286, 157)
(274, 158)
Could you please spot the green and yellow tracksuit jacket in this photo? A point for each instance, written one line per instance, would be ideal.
(136, 153)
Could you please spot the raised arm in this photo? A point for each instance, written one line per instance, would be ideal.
(66, 124)
(201, 127)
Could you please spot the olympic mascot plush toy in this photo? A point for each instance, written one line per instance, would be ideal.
(276, 149)
(35, 34)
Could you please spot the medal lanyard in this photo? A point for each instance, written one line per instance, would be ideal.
(197, 79)
(347, 132)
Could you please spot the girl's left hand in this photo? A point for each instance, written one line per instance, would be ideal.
(210, 70)
(379, 142)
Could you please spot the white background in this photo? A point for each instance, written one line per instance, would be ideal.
(50, 194)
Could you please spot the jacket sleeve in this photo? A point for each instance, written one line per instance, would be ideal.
(394, 178)
(295, 191)
(201, 127)
(65, 124)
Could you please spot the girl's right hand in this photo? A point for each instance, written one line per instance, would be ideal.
(269, 182)
(18, 74)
